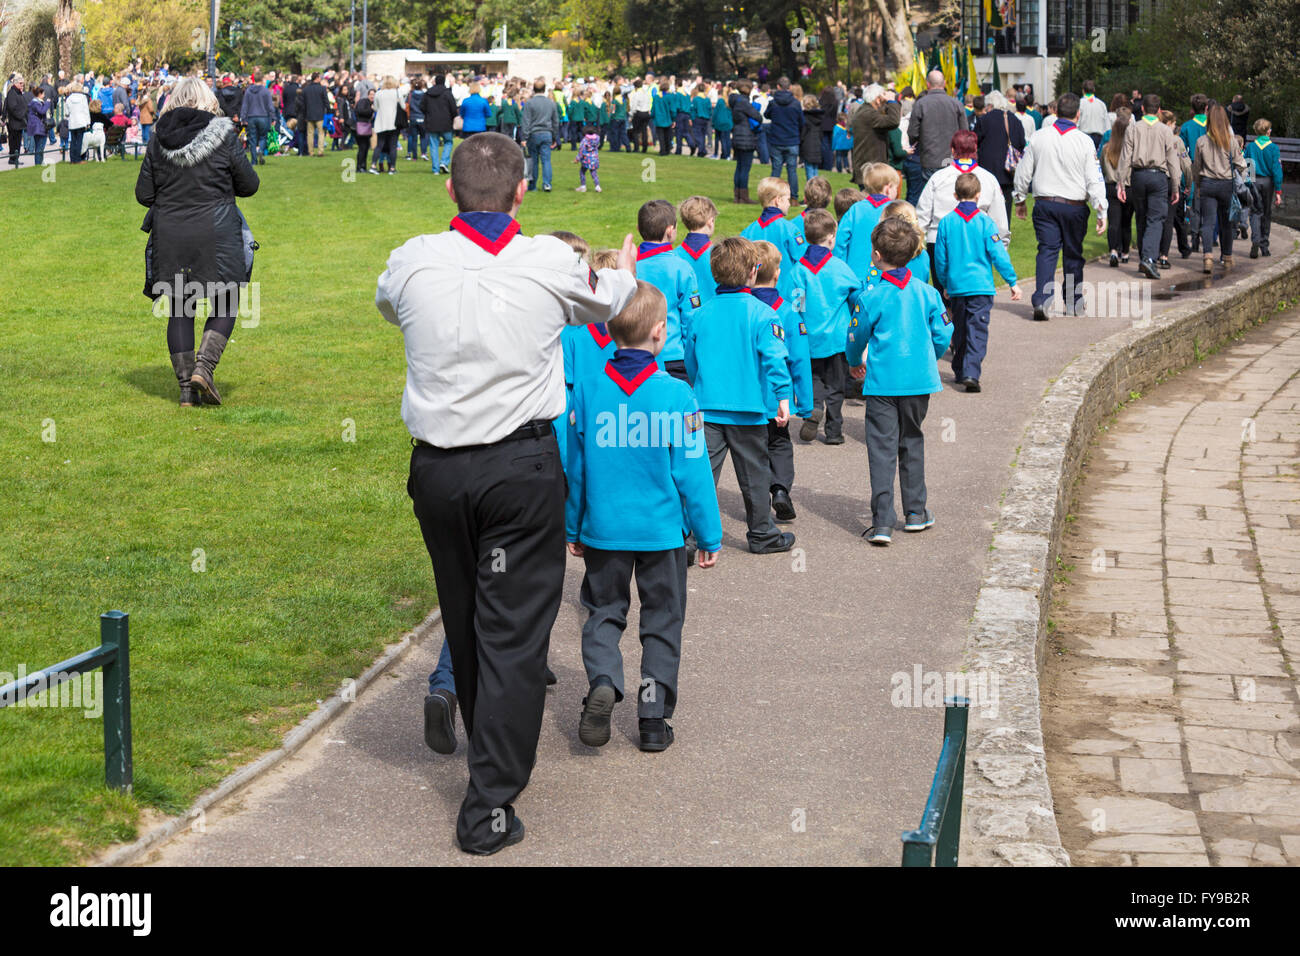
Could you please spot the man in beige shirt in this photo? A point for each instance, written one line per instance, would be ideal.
(1147, 176)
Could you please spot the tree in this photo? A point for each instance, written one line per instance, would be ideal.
(30, 45)
(898, 33)
(65, 25)
(158, 31)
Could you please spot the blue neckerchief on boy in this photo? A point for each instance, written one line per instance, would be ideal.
(648, 249)
(767, 296)
(815, 258)
(696, 242)
(967, 209)
(897, 277)
(1063, 126)
(769, 215)
(877, 200)
(630, 367)
(491, 231)
(727, 289)
(600, 333)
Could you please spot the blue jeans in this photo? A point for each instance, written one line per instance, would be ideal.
(441, 153)
(913, 176)
(417, 141)
(442, 677)
(970, 333)
(764, 156)
(744, 159)
(257, 130)
(539, 151)
(724, 143)
(787, 156)
(146, 130)
(75, 137)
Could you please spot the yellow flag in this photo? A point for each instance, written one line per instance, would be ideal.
(947, 58)
(918, 72)
(973, 87)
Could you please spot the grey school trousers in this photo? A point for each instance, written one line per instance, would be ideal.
(606, 594)
(748, 446)
(894, 440)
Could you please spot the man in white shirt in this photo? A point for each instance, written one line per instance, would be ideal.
(1060, 168)
(1092, 114)
(481, 309)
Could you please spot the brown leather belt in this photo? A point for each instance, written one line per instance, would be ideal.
(1068, 202)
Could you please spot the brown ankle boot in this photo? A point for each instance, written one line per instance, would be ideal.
(183, 366)
(209, 354)
(1207, 264)
(744, 199)
(1227, 262)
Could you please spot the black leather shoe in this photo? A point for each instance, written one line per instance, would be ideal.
(1114, 260)
(1040, 314)
(972, 384)
(784, 543)
(1254, 250)
(440, 722)
(656, 734)
(782, 505)
(833, 440)
(1164, 263)
(1149, 269)
(597, 707)
(551, 679)
(516, 835)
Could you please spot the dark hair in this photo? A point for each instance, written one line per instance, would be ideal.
(486, 169)
(1151, 104)
(895, 239)
(1199, 102)
(977, 103)
(1089, 86)
(818, 225)
(1067, 107)
(655, 218)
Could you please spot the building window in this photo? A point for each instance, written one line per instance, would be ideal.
(1029, 25)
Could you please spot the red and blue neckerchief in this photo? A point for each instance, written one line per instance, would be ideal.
(897, 277)
(769, 215)
(767, 296)
(815, 258)
(648, 249)
(695, 243)
(967, 209)
(728, 289)
(1063, 126)
(600, 333)
(877, 201)
(966, 165)
(630, 367)
(490, 231)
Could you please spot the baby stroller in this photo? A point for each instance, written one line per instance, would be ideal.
(284, 138)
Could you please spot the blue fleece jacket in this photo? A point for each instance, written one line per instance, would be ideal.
(797, 357)
(903, 328)
(772, 226)
(826, 292)
(638, 464)
(967, 249)
(696, 251)
(853, 237)
(736, 356)
(656, 264)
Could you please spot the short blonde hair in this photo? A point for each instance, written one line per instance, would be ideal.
(817, 192)
(770, 188)
(845, 199)
(769, 262)
(390, 82)
(696, 211)
(604, 259)
(876, 176)
(194, 93)
(646, 309)
(573, 241)
(900, 209)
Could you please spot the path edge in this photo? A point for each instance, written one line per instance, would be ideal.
(1008, 814)
(293, 741)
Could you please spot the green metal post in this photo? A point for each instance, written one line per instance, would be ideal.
(119, 771)
(955, 712)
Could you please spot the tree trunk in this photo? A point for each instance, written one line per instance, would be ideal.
(828, 43)
(65, 24)
(431, 30)
(779, 34)
(897, 33)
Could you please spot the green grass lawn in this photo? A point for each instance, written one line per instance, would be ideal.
(313, 558)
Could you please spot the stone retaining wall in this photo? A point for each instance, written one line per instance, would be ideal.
(1008, 814)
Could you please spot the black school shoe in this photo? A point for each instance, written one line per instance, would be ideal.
(833, 440)
(656, 734)
(784, 543)
(597, 708)
(551, 679)
(972, 384)
(440, 722)
(782, 504)
(1040, 314)
(1148, 268)
(516, 835)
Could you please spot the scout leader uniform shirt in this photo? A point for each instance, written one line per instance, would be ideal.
(1149, 144)
(638, 464)
(736, 356)
(903, 328)
(966, 246)
(481, 309)
(853, 237)
(826, 291)
(1061, 162)
(796, 347)
(772, 226)
(656, 264)
(697, 251)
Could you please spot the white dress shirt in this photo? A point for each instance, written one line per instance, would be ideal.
(638, 101)
(482, 331)
(1092, 116)
(938, 199)
(1062, 165)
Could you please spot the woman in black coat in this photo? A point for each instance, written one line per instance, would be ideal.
(992, 128)
(199, 245)
(810, 141)
(744, 138)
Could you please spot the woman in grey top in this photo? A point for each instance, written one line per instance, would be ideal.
(1217, 156)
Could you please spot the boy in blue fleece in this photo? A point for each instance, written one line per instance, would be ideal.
(736, 355)
(638, 468)
(853, 240)
(826, 291)
(657, 264)
(772, 226)
(903, 328)
(698, 216)
(966, 250)
(780, 450)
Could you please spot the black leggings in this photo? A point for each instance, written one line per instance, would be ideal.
(180, 324)
(363, 150)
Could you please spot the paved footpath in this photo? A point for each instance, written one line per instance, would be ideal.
(788, 747)
(1171, 702)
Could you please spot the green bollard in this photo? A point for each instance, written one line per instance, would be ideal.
(118, 768)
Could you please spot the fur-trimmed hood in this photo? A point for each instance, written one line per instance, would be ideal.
(187, 137)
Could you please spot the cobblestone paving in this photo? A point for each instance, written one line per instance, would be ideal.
(1171, 717)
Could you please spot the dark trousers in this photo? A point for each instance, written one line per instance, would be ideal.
(1216, 205)
(723, 143)
(1176, 222)
(258, 127)
(1007, 190)
(677, 369)
(641, 130)
(912, 175)
(15, 143)
(699, 136)
(606, 594)
(75, 139)
(970, 333)
(748, 447)
(780, 456)
(1059, 228)
(1119, 221)
(1148, 191)
(895, 440)
(665, 137)
(934, 269)
(744, 160)
(828, 376)
(1261, 223)
(363, 149)
(492, 518)
(681, 133)
(224, 309)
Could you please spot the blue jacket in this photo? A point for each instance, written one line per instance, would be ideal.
(1268, 161)
(661, 108)
(474, 110)
(826, 292)
(903, 328)
(638, 464)
(1189, 133)
(772, 226)
(656, 264)
(701, 108)
(586, 349)
(736, 356)
(853, 237)
(787, 119)
(967, 249)
(797, 357)
(841, 138)
(696, 251)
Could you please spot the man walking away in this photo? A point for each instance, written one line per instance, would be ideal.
(257, 110)
(1149, 169)
(935, 118)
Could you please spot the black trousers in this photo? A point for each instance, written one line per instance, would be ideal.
(1176, 222)
(1261, 223)
(16, 144)
(1216, 203)
(665, 137)
(492, 517)
(640, 131)
(894, 439)
(1119, 221)
(607, 594)
(780, 455)
(828, 376)
(1149, 192)
(748, 447)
